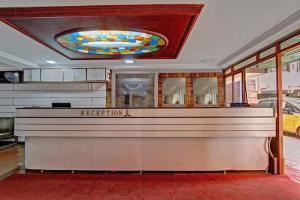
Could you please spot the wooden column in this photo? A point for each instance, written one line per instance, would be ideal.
(244, 90)
(108, 92)
(279, 119)
(221, 90)
(232, 86)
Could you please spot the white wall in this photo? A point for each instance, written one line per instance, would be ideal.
(37, 94)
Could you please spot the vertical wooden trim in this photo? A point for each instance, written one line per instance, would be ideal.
(109, 91)
(188, 94)
(232, 88)
(279, 118)
(221, 97)
(244, 88)
(224, 87)
(156, 90)
(257, 56)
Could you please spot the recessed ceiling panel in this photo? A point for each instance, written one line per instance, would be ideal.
(107, 32)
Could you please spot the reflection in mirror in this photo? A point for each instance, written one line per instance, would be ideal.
(205, 91)
(134, 90)
(228, 91)
(174, 91)
(237, 88)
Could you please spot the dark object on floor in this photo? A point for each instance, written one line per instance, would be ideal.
(239, 105)
(7, 133)
(6, 144)
(61, 105)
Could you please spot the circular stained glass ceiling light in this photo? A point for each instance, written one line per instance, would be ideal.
(110, 42)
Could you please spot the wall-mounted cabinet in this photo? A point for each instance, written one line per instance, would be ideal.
(52, 75)
(66, 75)
(96, 74)
(32, 75)
(71, 75)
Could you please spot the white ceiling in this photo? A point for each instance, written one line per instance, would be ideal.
(226, 31)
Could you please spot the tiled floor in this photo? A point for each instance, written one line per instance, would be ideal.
(11, 159)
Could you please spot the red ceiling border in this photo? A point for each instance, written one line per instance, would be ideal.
(7, 15)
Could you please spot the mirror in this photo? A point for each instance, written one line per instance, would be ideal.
(205, 91)
(134, 90)
(174, 90)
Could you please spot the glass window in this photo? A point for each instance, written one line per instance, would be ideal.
(174, 90)
(205, 91)
(228, 91)
(295, 108)
(267, 52)
(238, 88)
(244, 63)
(134, 90)
(227, 71)
(261, 83)
(291, 78)
(265, 104)
(290, 42)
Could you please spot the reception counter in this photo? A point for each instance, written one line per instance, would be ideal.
(174, 139)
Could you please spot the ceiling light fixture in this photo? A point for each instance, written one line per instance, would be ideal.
(111, 42)
(129, 61)
(50, 61)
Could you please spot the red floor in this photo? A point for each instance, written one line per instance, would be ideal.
(148, 186)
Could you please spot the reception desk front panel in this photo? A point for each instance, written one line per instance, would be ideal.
(206, 139)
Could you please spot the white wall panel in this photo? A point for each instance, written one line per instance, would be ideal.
(32, 75)
(6, 101)
(52, 75)
(44, 94)
(79, 94)
(7, 109)
(96, 74)
(99, 93)
(33, 87)
(70, 86)
(32, 101)
(98, 86)
(99, 102)
(6, 87)
(6, 94)
(74, 101)
(31, 94)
